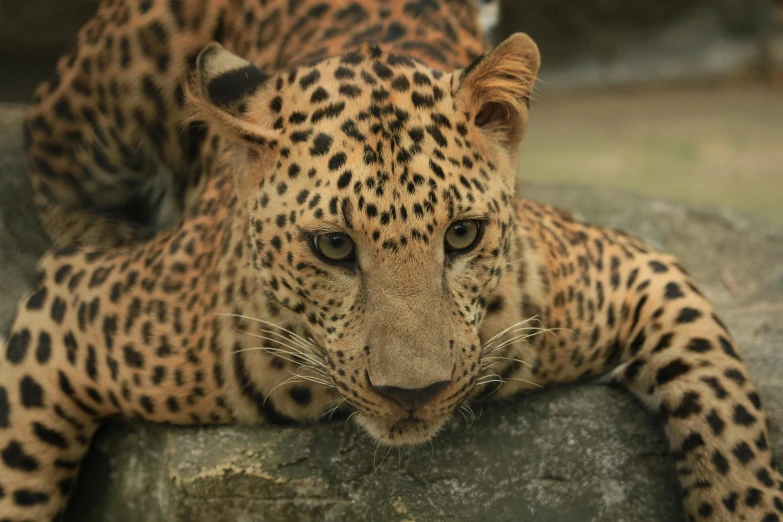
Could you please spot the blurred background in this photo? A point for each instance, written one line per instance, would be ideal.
(677, 99)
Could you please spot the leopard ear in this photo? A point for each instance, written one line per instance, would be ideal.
(229, 92)
(496, 88)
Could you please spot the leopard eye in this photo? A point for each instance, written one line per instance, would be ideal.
(334, 247)
(462, 236)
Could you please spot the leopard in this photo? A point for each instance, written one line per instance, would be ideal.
(265, 211)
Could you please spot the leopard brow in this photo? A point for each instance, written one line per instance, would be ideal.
(328, 228)
(478, 216)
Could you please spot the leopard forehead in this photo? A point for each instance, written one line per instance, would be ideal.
(376, 141)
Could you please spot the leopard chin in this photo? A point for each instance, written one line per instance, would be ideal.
(405, 431)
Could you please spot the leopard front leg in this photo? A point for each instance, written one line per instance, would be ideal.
(127, 333)
(86, 344)
(623, 311)
(51, 398)
(45, 429)
(681, 361)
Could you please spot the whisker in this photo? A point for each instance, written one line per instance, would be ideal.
(493, 392)
(488, 366)
(466, 408)
(500, 334)
(287, 335)
(276, 351)
(268, 349)
(489, 378)
(304, 346)
(472, 415)
(357, 412)
(510, 359)
(331, 412)
(300, 353)
(522, 329)
(293, 349)
(514, 339)
(358, 426)
(338, 399)
(266, 323)
(482, 382)
(463, 416)
(383, 459)
(279, 385)
(520, 337)
(316, 381)
(523, 380)
(313, 380)
(293, 334)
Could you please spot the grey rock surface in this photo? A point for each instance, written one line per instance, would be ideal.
(577, 453)
(22, 241)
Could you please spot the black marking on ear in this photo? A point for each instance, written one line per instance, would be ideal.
(234, 86)
(472, 65)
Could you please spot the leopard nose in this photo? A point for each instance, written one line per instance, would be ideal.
(409, 398)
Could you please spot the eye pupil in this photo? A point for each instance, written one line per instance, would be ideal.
(334, 247)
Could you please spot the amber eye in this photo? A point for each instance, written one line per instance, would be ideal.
(462, 236)
(334, 247)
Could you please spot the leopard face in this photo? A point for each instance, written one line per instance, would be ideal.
(378, 195)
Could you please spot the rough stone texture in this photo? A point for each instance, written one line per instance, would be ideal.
(577, 453)
(21, 238)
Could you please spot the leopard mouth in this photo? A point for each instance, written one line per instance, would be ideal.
(409, 431)
(398, 428)
(406, 423)
(393, 416)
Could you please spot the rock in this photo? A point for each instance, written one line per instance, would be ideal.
(22, 241)
(575, 453)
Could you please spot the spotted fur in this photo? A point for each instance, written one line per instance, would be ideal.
(381, 121)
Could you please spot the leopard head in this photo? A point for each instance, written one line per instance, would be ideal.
(379, 198)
